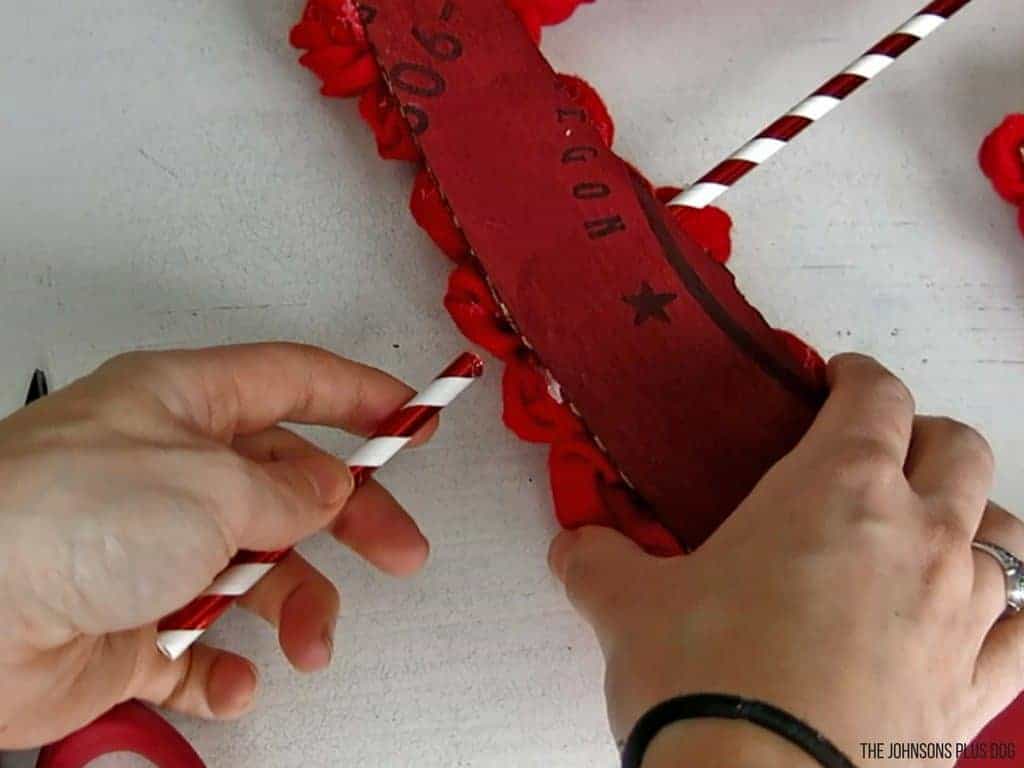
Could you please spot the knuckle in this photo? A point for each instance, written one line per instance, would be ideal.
(864, 462)
(871, 375)
(312, 361)
(136, 364)
(967, 440)
(131, 377)
(359, 396)
(947, 567)
(868, 543)
(221, 413)
(129, 360)
(579, 571)
(852, 363)
(947, 537)
(575, 575)
(890, 388)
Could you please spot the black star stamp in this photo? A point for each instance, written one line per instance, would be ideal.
(649, 304)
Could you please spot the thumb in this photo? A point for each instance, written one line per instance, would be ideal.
(604, 574)
(291, 498)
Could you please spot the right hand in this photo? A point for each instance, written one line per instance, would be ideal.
(844, 590)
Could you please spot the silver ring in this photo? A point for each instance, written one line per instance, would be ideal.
(1013, 567)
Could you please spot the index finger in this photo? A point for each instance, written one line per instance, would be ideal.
(868, 407)
(247, 388)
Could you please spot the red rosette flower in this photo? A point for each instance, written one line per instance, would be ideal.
(381, 112)
(477, 315)
(545, 12)
(540, 13)
(328, 22)
(430, 211)
(578, 472)
(634, 519)
(529, 409)
(336, 49)
(588, 490)
(710, 227)
(1002, 159)
(584, 94)
(343, 72)
(531, 22)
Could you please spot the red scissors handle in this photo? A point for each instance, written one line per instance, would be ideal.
(128, 727)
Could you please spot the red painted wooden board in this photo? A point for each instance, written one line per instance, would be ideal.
(680, 379)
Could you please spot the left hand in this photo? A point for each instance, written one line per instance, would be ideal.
(124, 495)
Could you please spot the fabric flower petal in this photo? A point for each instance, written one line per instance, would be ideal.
(381, 112)
(578, 470)
(547, 12)
(529, 409)
(477, 315)
(711, 227)
(583, 93)
(1002, 159)
(431, 213)
(634, 519)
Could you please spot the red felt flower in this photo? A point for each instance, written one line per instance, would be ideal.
(711, 227)
(531, 21)
(635, 520)
(472, 307)
(546, 12)
(381, 112)
(530, 410)
(346, 81)
(583, 93)
(588, 490)
(1002, 159)
(309, 34)
(326, 22)
(578, 471)
(336, 48)
(431, 213)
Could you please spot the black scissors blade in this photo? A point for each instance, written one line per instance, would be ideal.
(37, 388)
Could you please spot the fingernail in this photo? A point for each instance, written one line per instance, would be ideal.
(327, 639)
(248, 701)
(559, 549)
(255, 679)
(232, 685)
(329, 642)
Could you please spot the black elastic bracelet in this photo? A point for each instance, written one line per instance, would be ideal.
(724, 706)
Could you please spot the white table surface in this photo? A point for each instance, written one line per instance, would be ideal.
(171, 177)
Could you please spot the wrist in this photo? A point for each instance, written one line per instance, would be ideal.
(716, 743)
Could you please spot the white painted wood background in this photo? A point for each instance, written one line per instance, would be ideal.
(171, 177)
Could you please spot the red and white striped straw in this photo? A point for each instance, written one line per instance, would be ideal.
(176, 632)
(773, 138)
